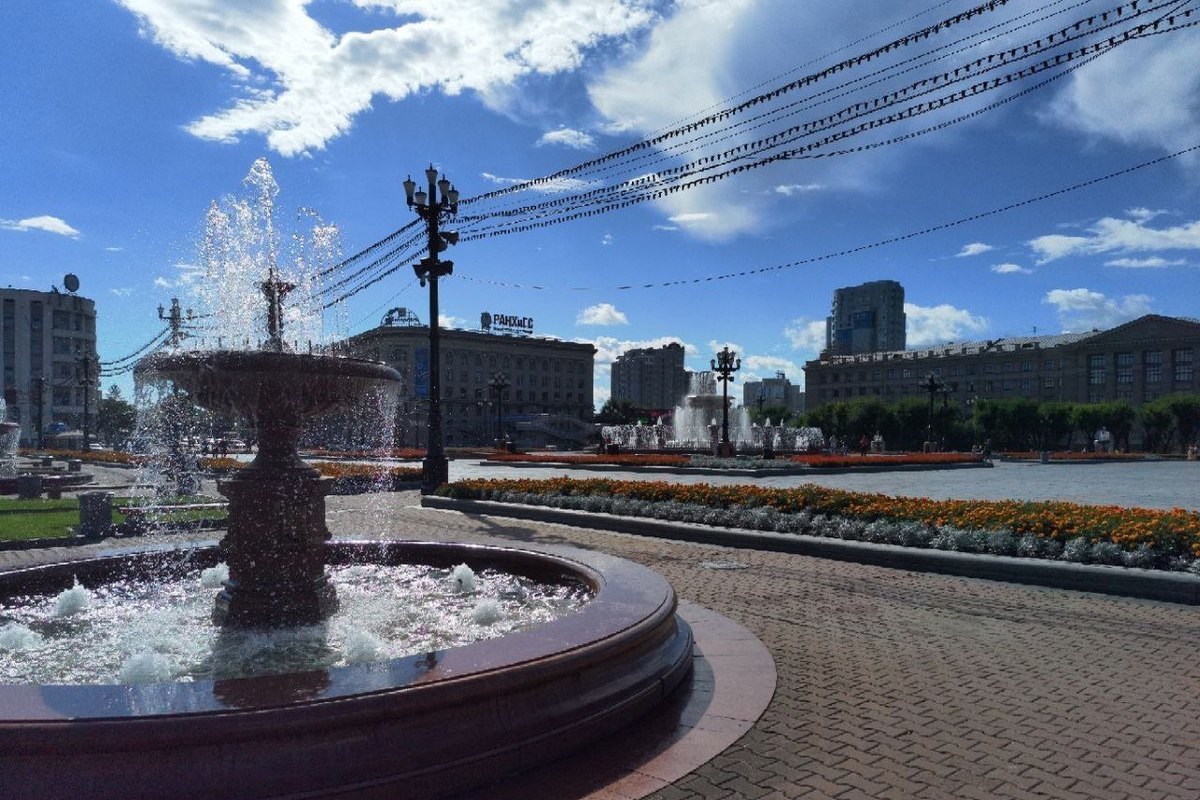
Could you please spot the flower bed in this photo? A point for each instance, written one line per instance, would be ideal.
(627, 459)
(394, 452)
(1071, 455)
(877, 460)
(348, 478)
(1100, 534)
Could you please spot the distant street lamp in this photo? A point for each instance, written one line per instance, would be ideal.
(497, 385)
(725, 364)
(933, 386)
(438, 204)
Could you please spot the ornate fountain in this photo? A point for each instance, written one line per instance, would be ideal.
(422, 725)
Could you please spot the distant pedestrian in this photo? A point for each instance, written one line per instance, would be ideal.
(864, 444)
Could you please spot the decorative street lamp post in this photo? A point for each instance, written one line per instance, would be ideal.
(725, 364)
(438, 204)
(497, 385)
(933, 386)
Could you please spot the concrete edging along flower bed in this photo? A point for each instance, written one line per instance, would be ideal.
(799, 469)
(1171, 587)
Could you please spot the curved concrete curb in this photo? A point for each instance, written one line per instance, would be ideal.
(1171, 587)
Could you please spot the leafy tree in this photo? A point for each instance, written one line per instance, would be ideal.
(1157, 426)
(1053, 425)
(115, 416)
(1185, 410)
(619, 412)
(1119, 417)
(1087, 418)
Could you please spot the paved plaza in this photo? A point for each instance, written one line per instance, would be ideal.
(894, 684)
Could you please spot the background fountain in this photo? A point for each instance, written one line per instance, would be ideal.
(414, 726)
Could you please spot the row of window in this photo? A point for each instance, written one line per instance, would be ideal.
(464, 358)
(1152, 367)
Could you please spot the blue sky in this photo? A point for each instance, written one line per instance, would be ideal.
(121, 120)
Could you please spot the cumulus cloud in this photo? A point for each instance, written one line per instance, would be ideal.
(973, 249)
(44, 223)
(449, 321)
(609, 347)
(113, 249)
(606, 239)
(301, 84)
(568, 137)
(162, 283)
(1143, 93)
(1009, 268)
(122, 291)
(942, 323)
(601, 314)
(1084, 309)
(1112, 235)
(758, 366)
(554, 186)
(807, 335)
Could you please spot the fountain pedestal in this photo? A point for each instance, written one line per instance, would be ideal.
(275, 550)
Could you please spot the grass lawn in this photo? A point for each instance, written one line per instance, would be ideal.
(43, 519)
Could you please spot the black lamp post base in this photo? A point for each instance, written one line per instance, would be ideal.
(435, 472)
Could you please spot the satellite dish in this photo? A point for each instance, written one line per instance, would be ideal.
(71, 282)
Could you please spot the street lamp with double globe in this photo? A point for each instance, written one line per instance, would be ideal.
(725, 364)
(437, 204)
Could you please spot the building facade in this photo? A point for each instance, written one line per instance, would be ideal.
(1139, 361)
(866, 319)
(651, 378)
(548, 399)
(775, 392)
(48, 361)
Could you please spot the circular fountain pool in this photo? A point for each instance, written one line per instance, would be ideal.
(418, 725)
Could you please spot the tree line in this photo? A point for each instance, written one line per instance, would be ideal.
(1169, 424)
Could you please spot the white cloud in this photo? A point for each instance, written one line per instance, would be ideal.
(789, 189)
(691, 218)
(113, 249)
(1142, 93)
(769, 365)
(807, 335)
(606, 239)
(1154, 262)
(664, 227)
(302, 85)
(941, 323)
(973, 249)
(122, 291)
(609, 347)
(568, 137)
(43, 223)
(162, 283)
(601, 314)
(555, 186)
(449, 321)
(1112, 235)
(1083, 309)
(1009, 268)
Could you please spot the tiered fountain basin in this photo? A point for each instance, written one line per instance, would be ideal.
(417, 726)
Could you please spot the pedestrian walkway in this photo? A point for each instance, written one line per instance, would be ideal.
(894, 684)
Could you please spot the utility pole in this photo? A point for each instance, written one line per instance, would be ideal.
(85, 366)
(176, 316)
(439, 203)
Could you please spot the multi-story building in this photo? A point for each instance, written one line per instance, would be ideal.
(775, 393)
(1139, 361)
(652, 378)
(48, 360)
(548, 399)
(866, 319)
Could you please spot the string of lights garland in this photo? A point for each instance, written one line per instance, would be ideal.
(116, 361)
(689, 176)
(726, 113)
(645, 161)
(366, 251)
(859, 248)
(404, 246)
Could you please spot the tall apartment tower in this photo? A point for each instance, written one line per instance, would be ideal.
(651, 378)
(866, 319)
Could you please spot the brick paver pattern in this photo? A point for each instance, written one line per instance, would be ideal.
(894, 684)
